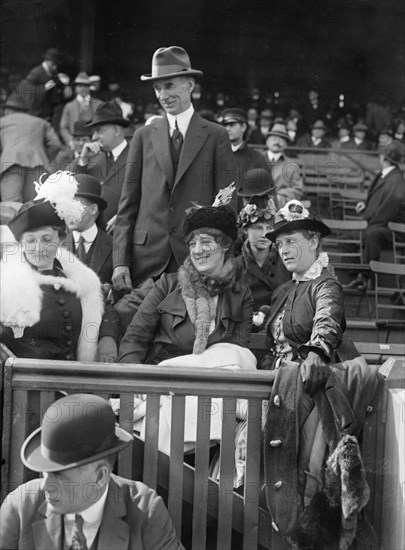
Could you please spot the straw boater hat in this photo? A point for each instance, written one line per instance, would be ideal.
(294, 216)
(76, 430)
(83, 79)
(170, 62)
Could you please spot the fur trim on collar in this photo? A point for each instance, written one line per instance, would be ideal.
(21, 296)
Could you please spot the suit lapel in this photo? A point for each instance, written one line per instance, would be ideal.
(116, 167)
(196, 135)
(114, 532)
(47, 531)
(99, 251)
(161, 147)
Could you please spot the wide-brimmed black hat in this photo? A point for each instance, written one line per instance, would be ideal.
(33, 215)
(76, 430)
(256, 181)
(294, 216)
(234, 115)
(170, 62)
(108, 113)
(16, 103)
(90, 188)
(222, 218)
(80, 129)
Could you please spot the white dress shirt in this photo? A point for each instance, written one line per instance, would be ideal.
(386, 171)
(183, 121)
(118, 150)
(273, 157)
(89, 237)
(92, 518)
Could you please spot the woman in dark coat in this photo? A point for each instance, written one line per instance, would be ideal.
(52, 304)
(201, 305)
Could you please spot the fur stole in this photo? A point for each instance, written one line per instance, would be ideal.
(198, 291)
(21, 296)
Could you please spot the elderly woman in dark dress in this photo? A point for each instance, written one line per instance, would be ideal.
(52, 304)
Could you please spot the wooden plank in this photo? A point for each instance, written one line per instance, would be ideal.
(46, 399)
(151, 440)
(227, 461)
(18, 435)
(126, 421)
(202, 451)
(175, 501)
(252, 475)
(7, 420)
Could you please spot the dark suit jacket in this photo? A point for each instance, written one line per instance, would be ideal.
(134, 518)
(111, 181)
(153, 201)
(386, 199)
(31, 90)
(99, 256)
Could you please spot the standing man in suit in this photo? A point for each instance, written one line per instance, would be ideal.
(86, 239)
(25, 142)
(79, 503)
(82, 108)
(173, 162)
(105, 157)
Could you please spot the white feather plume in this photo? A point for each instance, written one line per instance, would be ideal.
(224, 196)
(59, 189)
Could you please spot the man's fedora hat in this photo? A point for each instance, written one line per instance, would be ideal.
(360, 127)
(53, 54)
(293, 217)
(256, 181)
(80, 129)
(170, 62)
(279, 130)
(16, 103)
(234, 115)
(90, 188)
(82, 78)
(108, 113)
(392, 153)
(318, 125)
(76, 430)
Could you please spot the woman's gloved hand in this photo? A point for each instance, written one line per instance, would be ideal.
(314, 372)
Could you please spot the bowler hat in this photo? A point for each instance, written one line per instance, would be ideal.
(170, 62)
(35, 214)
(108, 113)
(234, 115)
(256, 181)
(76, 430)
(53, 54)
(82, 78)
(16, 103)
(392, 153)
(360, 127)
(89, 188)
(80, 129)
(280, 131)
(294, 216)
(318, 125)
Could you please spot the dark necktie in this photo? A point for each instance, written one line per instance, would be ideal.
(177, 140)
(78, 539)
(81, 251)
(110, 161)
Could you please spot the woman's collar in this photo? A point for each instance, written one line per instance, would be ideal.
(315, 270)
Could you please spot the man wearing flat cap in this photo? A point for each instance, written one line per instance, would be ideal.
(79, 504)
(105, 156)
(173, 162)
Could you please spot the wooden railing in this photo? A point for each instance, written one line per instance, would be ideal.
(30, 386)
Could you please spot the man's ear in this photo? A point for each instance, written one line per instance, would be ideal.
(191, 83)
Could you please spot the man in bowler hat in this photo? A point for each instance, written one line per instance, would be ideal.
(172, 163)
(105, 156)
(79, 503)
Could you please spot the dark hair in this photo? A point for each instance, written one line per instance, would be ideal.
(219, 236)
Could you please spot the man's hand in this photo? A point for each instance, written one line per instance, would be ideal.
(90, 150)
(360, 206)
(314, 372)
(107, 349)
(121, 278)
(111, 224)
